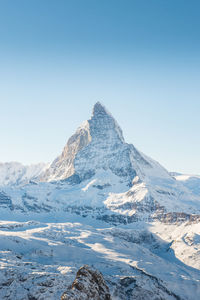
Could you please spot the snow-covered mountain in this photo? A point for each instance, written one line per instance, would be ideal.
(14, 173)
(98, 169)
(102, 203)
(99, 145)
(191, 182)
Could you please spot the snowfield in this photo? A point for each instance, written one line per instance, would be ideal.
(14, 173)
(40, 259)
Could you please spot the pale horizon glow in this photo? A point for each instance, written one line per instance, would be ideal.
(141, 60)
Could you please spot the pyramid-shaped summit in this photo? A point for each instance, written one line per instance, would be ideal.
(102, 123)
(99, 109)
(97, 145)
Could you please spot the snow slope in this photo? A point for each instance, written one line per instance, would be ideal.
(40, 260)
(14, 173)
(191, 182)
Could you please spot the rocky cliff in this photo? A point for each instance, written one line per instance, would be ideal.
(88, 285)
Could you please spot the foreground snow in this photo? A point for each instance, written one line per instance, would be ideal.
(40, 259)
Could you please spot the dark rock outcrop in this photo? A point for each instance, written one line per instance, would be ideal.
(89, 284)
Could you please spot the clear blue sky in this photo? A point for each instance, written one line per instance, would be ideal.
(141, 58)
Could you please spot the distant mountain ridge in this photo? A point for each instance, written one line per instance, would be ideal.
(14, 173)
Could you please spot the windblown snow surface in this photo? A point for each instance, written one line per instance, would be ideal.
(14, 173)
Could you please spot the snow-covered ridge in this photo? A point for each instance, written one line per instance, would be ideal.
(14, 173)
(191, 182)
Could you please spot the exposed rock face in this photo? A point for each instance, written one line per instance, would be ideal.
(88, 285)
(97, 144)
(63, 166)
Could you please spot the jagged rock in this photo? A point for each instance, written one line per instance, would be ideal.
(97, 144)
(89, 284)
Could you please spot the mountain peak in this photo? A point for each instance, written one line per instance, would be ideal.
(99, 109)
(102, 121)
(97, 145)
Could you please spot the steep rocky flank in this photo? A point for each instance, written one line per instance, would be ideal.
(88, 285)
(98, 144)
